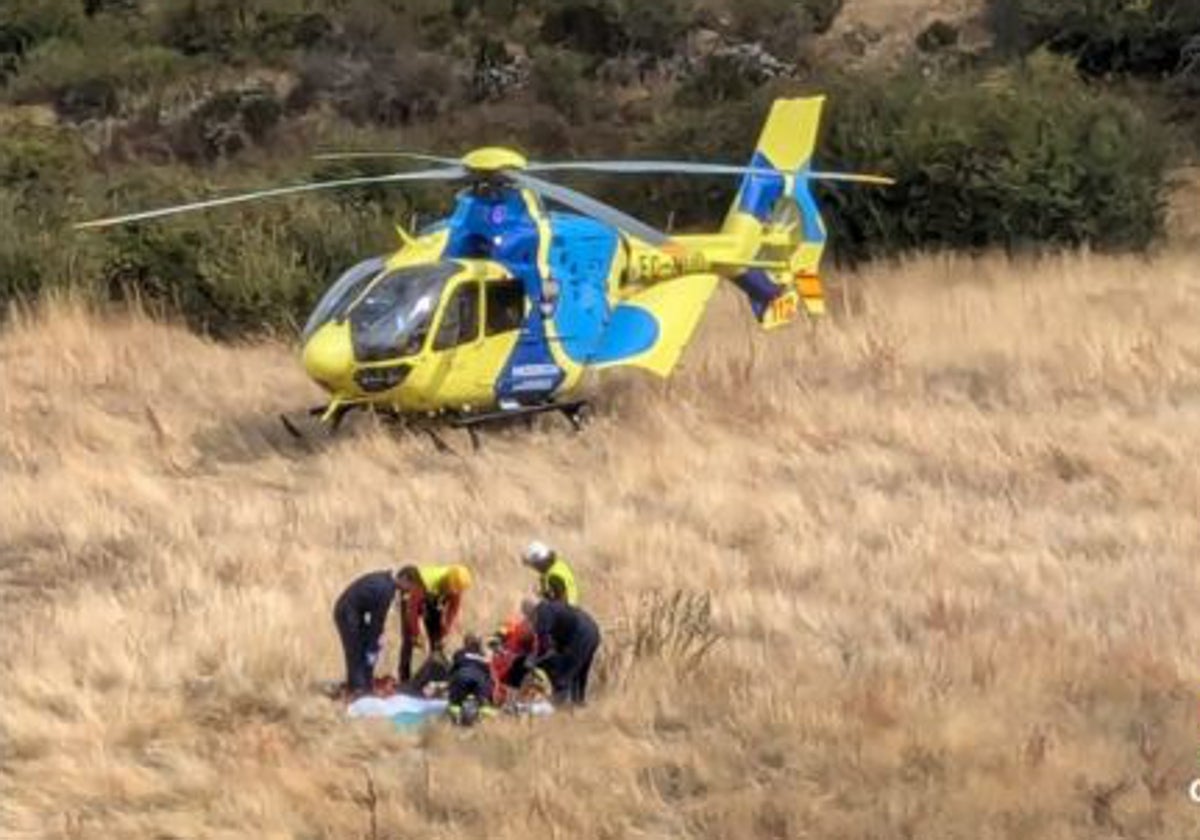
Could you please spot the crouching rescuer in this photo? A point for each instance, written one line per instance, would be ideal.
(431, 598)
(565, 642)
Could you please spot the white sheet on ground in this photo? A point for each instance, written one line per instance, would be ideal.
(412, 709)
(397, 704)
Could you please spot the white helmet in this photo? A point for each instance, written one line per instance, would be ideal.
(536, 552)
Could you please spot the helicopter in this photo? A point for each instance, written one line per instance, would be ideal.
(500, 309)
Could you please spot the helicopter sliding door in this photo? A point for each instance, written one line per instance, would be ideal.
(477, 329)
(503, 316)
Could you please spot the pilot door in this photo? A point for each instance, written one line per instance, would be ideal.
(473, 340)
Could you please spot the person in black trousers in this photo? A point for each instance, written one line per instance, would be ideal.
(360, 614)
(565, 642)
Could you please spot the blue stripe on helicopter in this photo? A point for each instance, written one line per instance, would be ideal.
(498, 226)
(758, 193)
(631, 332)
(531, 372)
(760, 289)
(581, 255)
(810, 214)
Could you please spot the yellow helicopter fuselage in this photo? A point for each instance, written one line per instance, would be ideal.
(475, 324)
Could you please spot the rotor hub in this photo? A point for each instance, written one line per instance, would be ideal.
(491, 159)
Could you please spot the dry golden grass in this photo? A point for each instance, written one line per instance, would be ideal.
(951, 545)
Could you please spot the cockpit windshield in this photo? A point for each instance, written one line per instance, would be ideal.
(392, 319)
(341, 294)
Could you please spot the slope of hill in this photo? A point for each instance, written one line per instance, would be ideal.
(875, 35)
(949, 542)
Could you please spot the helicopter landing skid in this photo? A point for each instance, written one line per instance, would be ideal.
(331, 424)
(575, 411)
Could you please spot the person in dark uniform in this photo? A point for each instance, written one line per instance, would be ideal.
(360, 614)
(469, 688)
(565, 642)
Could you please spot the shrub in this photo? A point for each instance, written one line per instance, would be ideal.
(656, 28)
(88, 79)
(37, 165)
(20, 264)
(14, 43)
(1017, 158)
(227, 123)
(251, 29)
(585, 26)
(557, 79)
(196, 27)
(246, 271)
(394, 89)
(91, 8)
(672, 630)
(41, 20)
(1140, 37)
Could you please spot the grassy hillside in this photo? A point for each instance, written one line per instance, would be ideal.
(949, 544)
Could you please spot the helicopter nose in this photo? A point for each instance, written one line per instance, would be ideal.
(329, 356)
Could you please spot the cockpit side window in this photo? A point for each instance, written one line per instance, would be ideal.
(460, 321)
(341, 294)
(392, 318)
(505, 309)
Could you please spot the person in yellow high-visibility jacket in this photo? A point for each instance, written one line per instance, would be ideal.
(429, 596)
(556, 581)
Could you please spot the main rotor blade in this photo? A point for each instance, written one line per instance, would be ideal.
(592, 207)
(421, 156)
(684, 167)
(634, 167)
(646, 167)
(450, 174)
(850, 178)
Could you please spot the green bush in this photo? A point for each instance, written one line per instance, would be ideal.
(557, 79)
(89, 79)
(41, 20)
(246, 29)
(260, 268)
(38, 165)
(1140, 37)
(658, 27)
(1014, 158)
(227, 123)
(1020, 157)
(585, 26)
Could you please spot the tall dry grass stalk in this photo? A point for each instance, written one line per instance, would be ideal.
(950, 543)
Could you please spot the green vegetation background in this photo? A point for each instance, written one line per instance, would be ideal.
(1060, 132)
